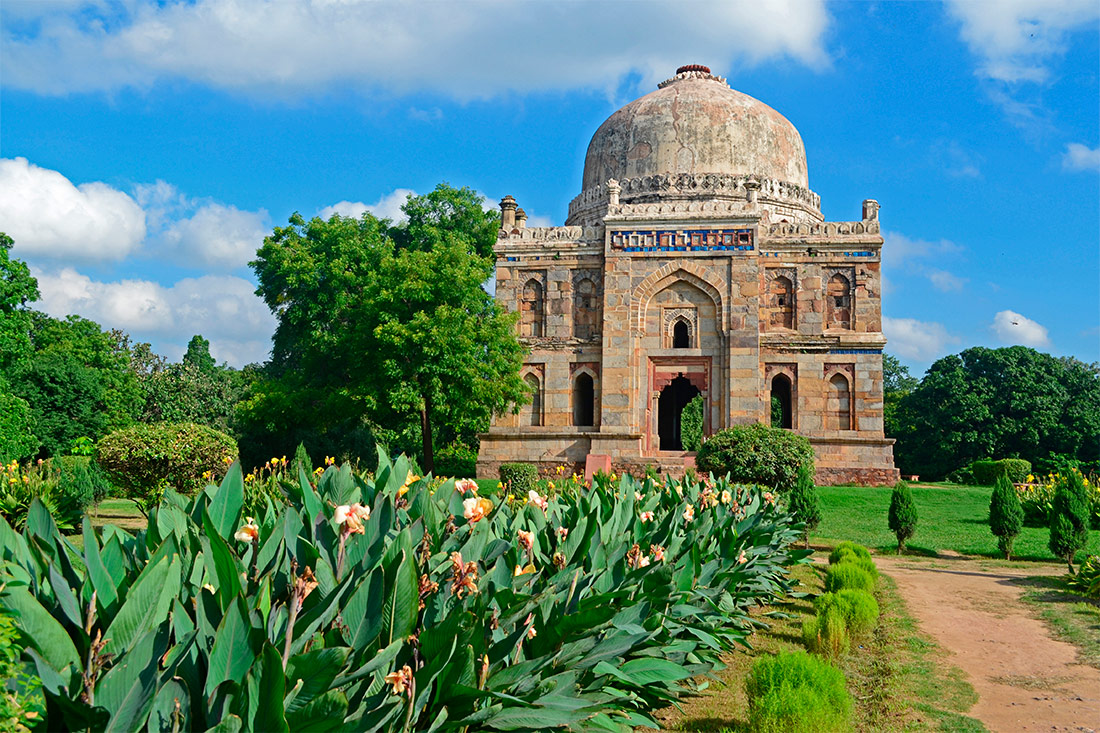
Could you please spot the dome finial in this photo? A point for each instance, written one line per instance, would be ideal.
(693, 67)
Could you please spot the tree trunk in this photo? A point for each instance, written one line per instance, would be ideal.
(426, 435)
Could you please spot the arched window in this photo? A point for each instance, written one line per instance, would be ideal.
(838, 302)
(781, 297)
(585, 309)
(584, 398)
(531, 308)
(681, 335)
(781, 408)
(532, 414)
(838, 408)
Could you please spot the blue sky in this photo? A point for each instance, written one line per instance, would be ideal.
(147, 147)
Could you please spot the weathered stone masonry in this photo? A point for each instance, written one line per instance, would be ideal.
(694, 261)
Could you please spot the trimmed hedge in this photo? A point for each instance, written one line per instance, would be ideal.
(794, 691)
(144, 459)
(848, 575)
(986, 473)
(846, 548)
(827, 632)
(756, 454)
(519, 478)
(858, 608)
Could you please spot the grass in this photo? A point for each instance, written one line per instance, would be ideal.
(1069, 615)
(952, 518)
(898, 676)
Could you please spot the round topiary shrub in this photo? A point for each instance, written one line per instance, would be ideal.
(144, 459)
(827, 632)
(902, 517)
(756, 454)
(519, 478)
(795, 691)
(858, 608)
(848, 549)
(848, 575)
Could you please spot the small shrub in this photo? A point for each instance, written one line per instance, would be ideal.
(301, 460)
(804, 503)
(858, 608)
(1087, 580)
(519, 478)
(80, 478)
(142, 460)
(1006, 516)
(962, 475)
(456, 460)
(986, 472)
(1017, 469)
(795, 691)
(827, 633)
(756, 454)
(691, 424)
(846, 549)
(1069, 518)
(848, 575)
(903, 514)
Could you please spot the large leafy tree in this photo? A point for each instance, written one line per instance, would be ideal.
(18, 288)
(896, 383)
(77, 380)
(392, 323)
(996, 403)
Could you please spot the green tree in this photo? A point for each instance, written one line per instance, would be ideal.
(392, 321)
(1069, 517)
(1006, 516)
(198, 355)
(996, 403)
(17, 289)
(897, 382)
(77, 381)
(903, 514)
(691, 424)
(804, 502)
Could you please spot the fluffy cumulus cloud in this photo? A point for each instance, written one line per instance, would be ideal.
(1013, 328)
(1080, 157)
(1015, 40)
(387, 207)
(224, 309)
(49, 217)
(905, 256)
(217, 235)
(920, 341)
(466, 49)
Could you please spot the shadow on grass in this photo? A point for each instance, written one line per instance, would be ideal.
(1051, 589)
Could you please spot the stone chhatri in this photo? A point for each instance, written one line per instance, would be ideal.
(695, 261)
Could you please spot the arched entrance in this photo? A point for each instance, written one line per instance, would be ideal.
(674, 397)
(781, 402)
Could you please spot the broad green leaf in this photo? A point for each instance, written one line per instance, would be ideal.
(266, 688)
(224, 565)
(402, 600)
(317, 669)
(233, 652)
(325, 713)
(363, 613)
(143, 609)
(127, 690)
(534, 718)
(104, 585)
(228, 724)
(225, 506)
(171, 708)
(41, 629)
(646, 671)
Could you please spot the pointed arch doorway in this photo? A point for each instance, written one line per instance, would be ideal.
(670, 405)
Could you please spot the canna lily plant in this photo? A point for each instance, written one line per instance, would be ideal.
(393, 603)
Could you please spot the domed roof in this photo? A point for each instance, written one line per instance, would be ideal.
(694, 123)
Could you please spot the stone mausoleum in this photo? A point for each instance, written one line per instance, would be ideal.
(695, 261)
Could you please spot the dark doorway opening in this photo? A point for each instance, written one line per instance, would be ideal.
(584, 398)
(670, 404)
(781, 402)
(681, 338)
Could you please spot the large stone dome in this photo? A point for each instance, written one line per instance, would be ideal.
(695, 124)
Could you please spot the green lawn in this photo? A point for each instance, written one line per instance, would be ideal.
(949, 518)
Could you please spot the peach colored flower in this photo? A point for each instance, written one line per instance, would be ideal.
(401, 680)
(646, 517)
(351, 517)
(466, 484)
(525, 570)
(741, 559)
(538, 500)
(476, 508)
(531, 633)
(638, 496)
(563, 532)
(689, 513)
(658, 552)
(769, 497)
(526, 539)
(727, 497)
(250, 532)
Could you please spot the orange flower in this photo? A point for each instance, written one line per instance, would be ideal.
(689, 513)
(476, 508)
(250, 532)
(466, 484)
(401, 680)
(410, 479)
(525, 570)
(463, 576)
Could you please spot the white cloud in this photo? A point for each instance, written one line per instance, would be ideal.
(472, 49)
(1080, 157)
(1016, 39)
(1013, 328)
(219, 236)
(49, 217)
(920, 341)
(387, 207)
(899, 248)
(222, 308)
(945, 281)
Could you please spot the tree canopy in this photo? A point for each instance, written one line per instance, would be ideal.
(999, 403)
(390, 322)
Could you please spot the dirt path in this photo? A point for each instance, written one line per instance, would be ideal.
(1025, 679)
